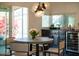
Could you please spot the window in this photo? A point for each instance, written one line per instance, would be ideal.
(45, 21)
(58, 20)
(20, 23)
(71, 20)
(4, 24)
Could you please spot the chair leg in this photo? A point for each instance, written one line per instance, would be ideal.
(44, 53)
(10, 52)
(58, 54)
(49, 53)
(62, 53)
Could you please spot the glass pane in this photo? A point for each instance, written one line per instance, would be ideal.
(20, 23)
(45, 21)
(71, 21)
(58, 20)
(17, 27)
(4, 30)
(17, 12)
(2, 24)
(25, 26)
(25, 11)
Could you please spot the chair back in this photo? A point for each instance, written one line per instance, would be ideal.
(19, 47)
(61, 44)
(9, 40)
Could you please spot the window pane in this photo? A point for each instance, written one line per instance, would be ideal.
(25, 26)
(71, 21)
(57, 20)
(25, 11)
(3, 20)
(18, 12)
(4, 29)
(20, 23)
(45, 21)
(17, 27)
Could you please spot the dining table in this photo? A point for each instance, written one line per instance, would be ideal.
(37, 41)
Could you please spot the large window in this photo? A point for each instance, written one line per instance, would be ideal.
(20, 23)
(4, 24)
(4, 28)
(58, 20)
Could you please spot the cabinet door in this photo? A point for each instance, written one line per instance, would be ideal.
(54, 34)
(45, 33)
(72, 41)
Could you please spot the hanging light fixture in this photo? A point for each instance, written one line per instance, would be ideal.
(43, 6)
(39, 11)
(39, 8)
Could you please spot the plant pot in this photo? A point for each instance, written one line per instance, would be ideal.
(33, 37)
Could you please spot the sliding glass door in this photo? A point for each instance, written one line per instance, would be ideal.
(4, 29)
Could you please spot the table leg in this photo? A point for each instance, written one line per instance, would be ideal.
(37, 49)
(43, 50)
(30, 47)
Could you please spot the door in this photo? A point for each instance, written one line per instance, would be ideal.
(4, 29)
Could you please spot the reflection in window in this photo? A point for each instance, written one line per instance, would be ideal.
(20, 23)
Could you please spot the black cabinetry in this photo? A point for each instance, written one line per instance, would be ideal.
(45, 32)
(56, 34)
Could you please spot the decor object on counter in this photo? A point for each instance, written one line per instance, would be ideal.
(33, 32)
(52, 26)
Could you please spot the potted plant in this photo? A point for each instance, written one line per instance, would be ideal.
(33, 32)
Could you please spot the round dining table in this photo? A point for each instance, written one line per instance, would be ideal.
(37, 41)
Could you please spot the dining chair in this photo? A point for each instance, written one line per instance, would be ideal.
(8, 41)
(42, 46)
(58, 51)
(20, 49)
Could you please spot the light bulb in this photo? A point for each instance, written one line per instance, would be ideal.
(46, 5)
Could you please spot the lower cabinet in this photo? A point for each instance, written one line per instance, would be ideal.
(56, 34)
(72, 41)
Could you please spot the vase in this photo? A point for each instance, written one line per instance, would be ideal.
(33, 37)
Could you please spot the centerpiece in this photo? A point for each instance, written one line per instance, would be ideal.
(33, 32)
